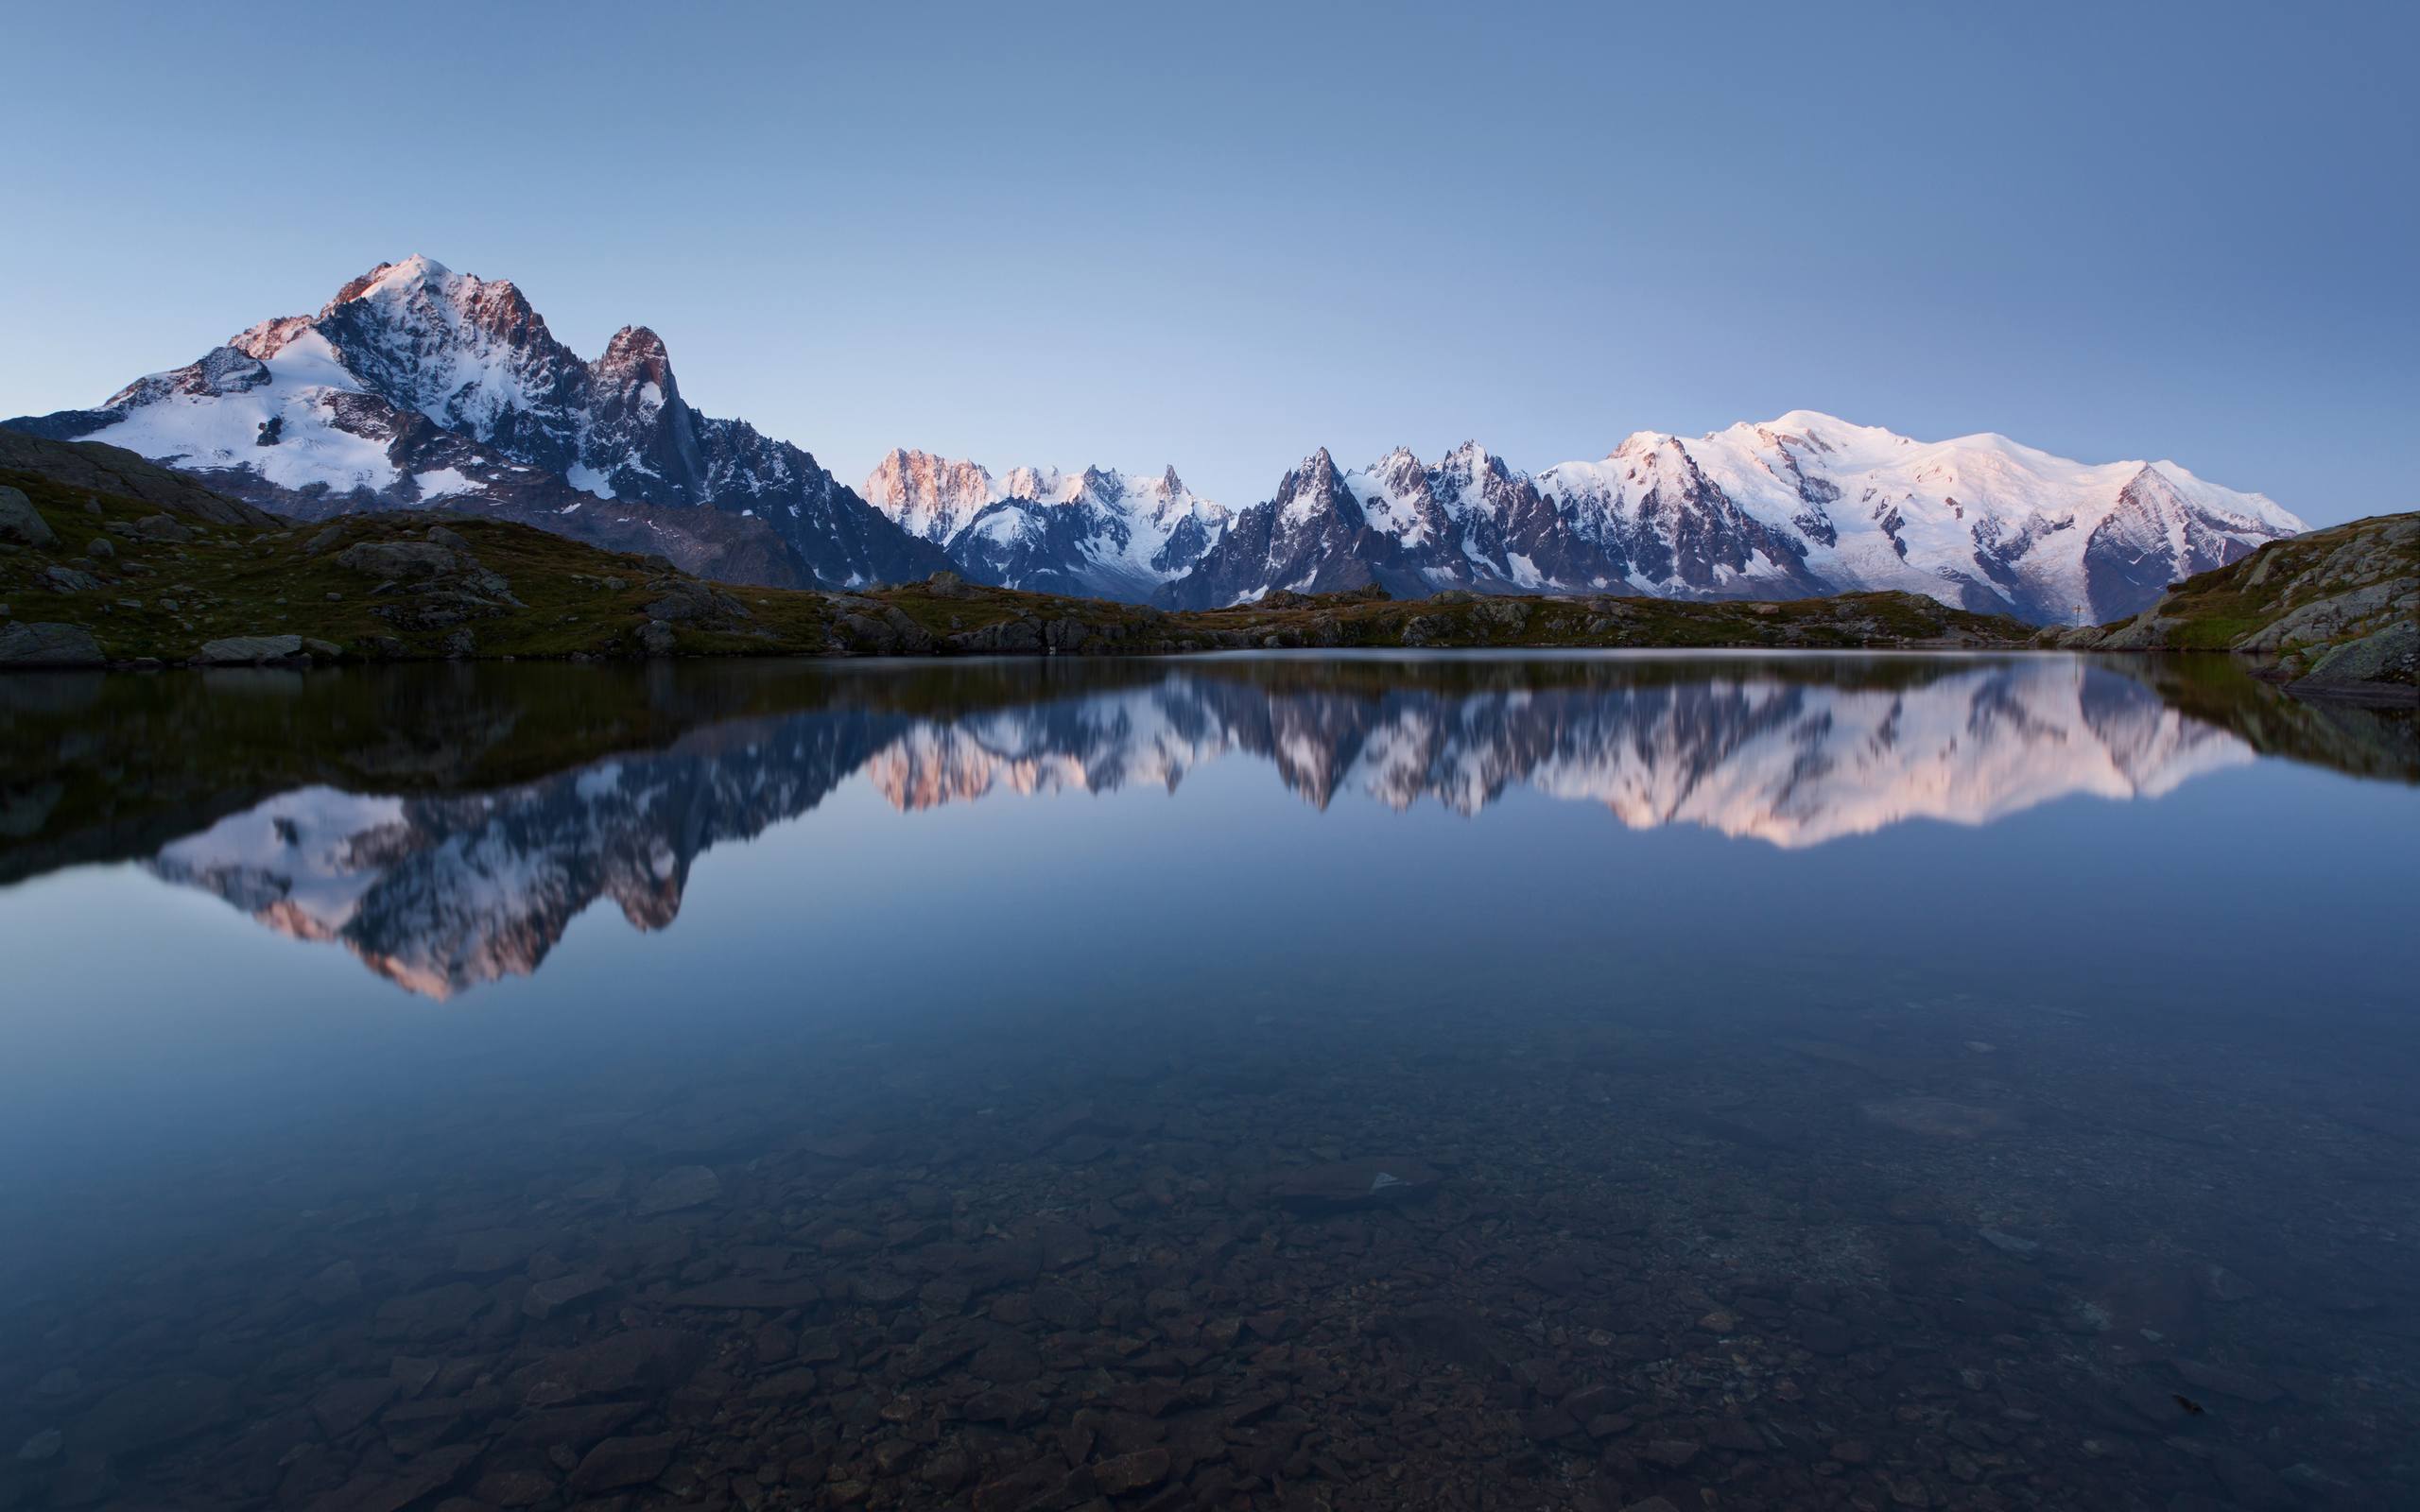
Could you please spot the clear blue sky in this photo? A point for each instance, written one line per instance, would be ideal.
(1221, 235)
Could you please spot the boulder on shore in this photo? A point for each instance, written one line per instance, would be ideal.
(20, 523)
(48, 644)
(249, 650)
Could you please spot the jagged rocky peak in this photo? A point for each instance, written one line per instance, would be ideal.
(931, 497)
(944, 494)
(470, 354)
(1400, 468)
(269, 337)
(1094, 531)
(416, 272)
(1315, 476)
(1473, 479)
(426, 302)
(1041, 484)
(635, 355)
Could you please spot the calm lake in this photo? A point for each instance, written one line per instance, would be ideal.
(1357, 1082)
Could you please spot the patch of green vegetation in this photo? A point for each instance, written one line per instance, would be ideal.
(165, 598)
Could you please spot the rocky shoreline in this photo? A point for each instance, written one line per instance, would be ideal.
(2333, 614)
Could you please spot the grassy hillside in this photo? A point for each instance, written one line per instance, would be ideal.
(91, 576)
(2334, 611)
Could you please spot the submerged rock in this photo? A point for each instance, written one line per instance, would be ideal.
(620, 1462)
(640, 1362)
(684, 1186)
(155, 1413)
(1940, 1118)
(1339, 1185)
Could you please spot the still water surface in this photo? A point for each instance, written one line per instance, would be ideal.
(1352, 1082)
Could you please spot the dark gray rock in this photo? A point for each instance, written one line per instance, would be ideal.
(740, 1294)
(2388, 656)
(20, 523)
(249, 650)
(47, 645)
(550, 1298)
(345, 1406)
(399, 561)
(619, 1462)
(1137, 1471)
(638, 1362)
(152, 1414)
(684, 1186)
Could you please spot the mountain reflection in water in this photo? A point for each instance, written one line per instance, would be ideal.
(440, 889)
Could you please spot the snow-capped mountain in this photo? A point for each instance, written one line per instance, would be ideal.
(417, 385)
(442, 892)
(1098, 532)
(1804, 505)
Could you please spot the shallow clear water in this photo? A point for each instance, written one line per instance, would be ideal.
(1360, 1081)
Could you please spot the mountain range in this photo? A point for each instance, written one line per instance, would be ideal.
(416, 385)
(1801, 506)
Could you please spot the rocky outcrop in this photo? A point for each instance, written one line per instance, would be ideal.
(93, 467)
(2332, 613)
(434, 581)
